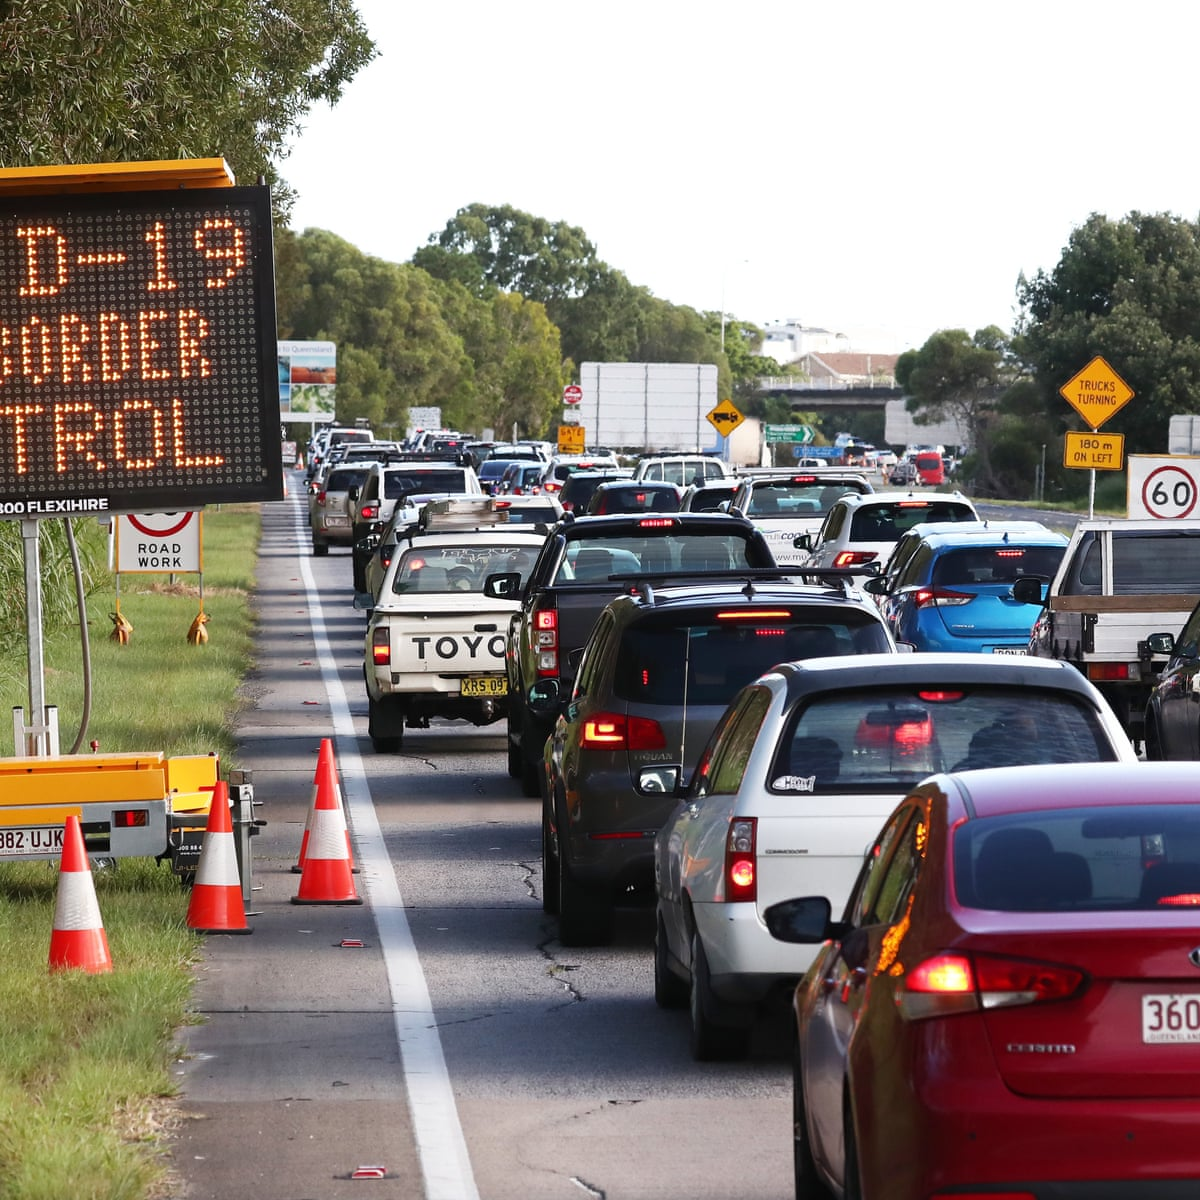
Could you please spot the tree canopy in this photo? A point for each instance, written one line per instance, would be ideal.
(114, 81)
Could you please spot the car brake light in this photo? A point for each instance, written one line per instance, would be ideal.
(615, 731)
(321, 499)
(740, 876)
(940, 598)
(369, 512)
(381, 646)
(851, 558)
(950, 983)
(130, 818)
(656, 523)
(756, 614)
(1113, 670)
(545, 648)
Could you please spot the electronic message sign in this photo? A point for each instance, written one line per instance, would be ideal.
(137, 351)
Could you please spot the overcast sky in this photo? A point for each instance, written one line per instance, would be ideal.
(879, 169)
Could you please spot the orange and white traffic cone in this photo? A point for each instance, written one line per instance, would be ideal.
(78, 940)
(326, 877)
(216, 904)
(324, 757)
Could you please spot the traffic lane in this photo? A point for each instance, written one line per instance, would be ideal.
(566, 1073)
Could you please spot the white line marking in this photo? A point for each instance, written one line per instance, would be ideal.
(441, 1146)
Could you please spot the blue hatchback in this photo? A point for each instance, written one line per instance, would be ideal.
(948, 586)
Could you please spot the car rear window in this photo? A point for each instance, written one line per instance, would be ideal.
(722, 654)
(431, 570)
(887, 522)
(589, 560)
(888, 739)
(343, 479)
(803, 496)
(399, 483)
(708, 499)
(995, 564)
(1140, 856)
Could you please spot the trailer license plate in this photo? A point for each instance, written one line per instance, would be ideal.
(485, 685)
(36, 839)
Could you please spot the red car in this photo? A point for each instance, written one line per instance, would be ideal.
(1010, 1006)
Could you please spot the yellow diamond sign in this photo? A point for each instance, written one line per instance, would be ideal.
(725, 418)
(1096, 392)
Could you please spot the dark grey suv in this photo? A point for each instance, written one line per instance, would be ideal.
(655, 676)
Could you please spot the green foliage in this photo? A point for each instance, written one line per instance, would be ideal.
(1129, 291)
(113, 81)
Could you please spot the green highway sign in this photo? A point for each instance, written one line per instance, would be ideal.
(796, 434)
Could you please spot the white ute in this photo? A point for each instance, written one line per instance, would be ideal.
(435, 644)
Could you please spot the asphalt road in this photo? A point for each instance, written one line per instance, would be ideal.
(460, 1050)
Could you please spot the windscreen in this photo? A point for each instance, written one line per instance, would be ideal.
(886, 739)
(594, 559)
(431, 570)
(803, 496)
(886, 522)
(399, 483)
(1142, 856)
(344, 478)
(705, 657)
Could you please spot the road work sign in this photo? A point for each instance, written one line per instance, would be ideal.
(1094, 451)
(157, 543)
(1096, 392)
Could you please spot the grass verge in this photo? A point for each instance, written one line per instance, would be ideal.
(85, 1060)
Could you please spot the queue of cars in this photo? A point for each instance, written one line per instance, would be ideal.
(980, 905)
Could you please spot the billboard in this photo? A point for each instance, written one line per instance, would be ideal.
(307, 381)
(137, 348)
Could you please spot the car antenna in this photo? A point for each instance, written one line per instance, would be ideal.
(748, 590)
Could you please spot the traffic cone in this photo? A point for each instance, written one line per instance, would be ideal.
(78, 940)
(325, 756)
(326, 877)
(216, 904)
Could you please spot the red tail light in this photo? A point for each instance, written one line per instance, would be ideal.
(656, 523)
(852, 558)
(321, 499)
(381, 646)
(741, 878)
(615, 731)
(940, 598)
(1113, 670)
(545, 648)
(952, 983)
(130, 818)
(369, 512)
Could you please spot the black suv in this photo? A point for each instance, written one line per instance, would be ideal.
(659, 669)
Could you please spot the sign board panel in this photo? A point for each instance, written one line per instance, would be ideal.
(572, 439)
(1163, 487)
(149, 543)
(649, 407)
(1096, 392)
(725, 418)
(796, 434)
(307, 381)
(572, 394)
(137, 351)
(1094, 451)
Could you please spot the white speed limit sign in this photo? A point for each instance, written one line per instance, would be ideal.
(1163, 487)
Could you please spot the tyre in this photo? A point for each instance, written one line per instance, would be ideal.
(711, 1042)
(583, 917)
(320, 549)
(670, 990)
(514, 755)
(549, 870)
(1153, 742)
(531, 768)
(808, 1184)
(852, 1185)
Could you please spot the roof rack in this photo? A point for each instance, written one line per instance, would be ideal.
(842, 577)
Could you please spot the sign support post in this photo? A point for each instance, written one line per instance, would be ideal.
(1095, 393)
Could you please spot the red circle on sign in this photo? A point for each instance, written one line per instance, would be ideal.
(139, 524)
(572, 393)
(1157, 478)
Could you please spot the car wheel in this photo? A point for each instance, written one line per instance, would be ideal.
(531, 768)
(711, 1042)
(549, 869)
(514, 755)
(670, 990)
(320, 549)
(808, 1183)
(360, 577)
(383, 743)
(583, 917)
(852, 1183)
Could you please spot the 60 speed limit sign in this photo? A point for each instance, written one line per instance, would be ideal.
(1163, 487)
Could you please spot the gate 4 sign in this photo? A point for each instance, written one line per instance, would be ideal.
(1163, 487)
(1096, 392)
(150, 543)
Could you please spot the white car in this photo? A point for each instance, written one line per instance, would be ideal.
(861, 531)
(794, 785)
(786, 504)
(682, 469)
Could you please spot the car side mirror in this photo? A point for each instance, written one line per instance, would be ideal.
(804, 921)
(876, 585)
(1028, 590)
(803, 541)
(542, 698)
(505, 585)
(353, 492)
(1161, 643)
(663, 779)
